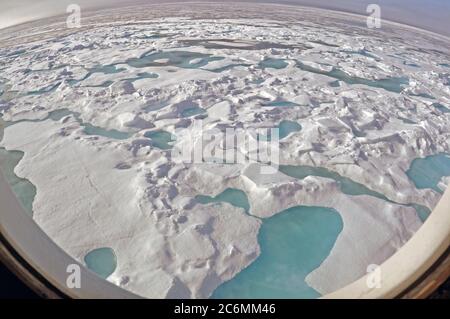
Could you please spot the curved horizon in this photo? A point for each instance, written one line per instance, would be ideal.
(431, 15)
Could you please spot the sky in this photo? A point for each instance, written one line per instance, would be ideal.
(433, 15)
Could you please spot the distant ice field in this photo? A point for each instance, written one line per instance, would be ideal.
(90, 118)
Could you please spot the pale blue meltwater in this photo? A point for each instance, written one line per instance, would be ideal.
(192, 111)
(233, 196)
(293, 243)
(143, 75)
(111, 69)
(273, 63)
(160, 139)
(22, 188)
(104, 69)
(346, 185)
(288, 127)
(181, 59)
(88, 128)
(284, 129)
(228, 67)
(394, 84)
(427, 172)
(102, 261)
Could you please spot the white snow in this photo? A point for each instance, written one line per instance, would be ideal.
(95, 191)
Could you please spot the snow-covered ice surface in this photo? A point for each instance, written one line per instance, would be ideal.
(367, 103)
